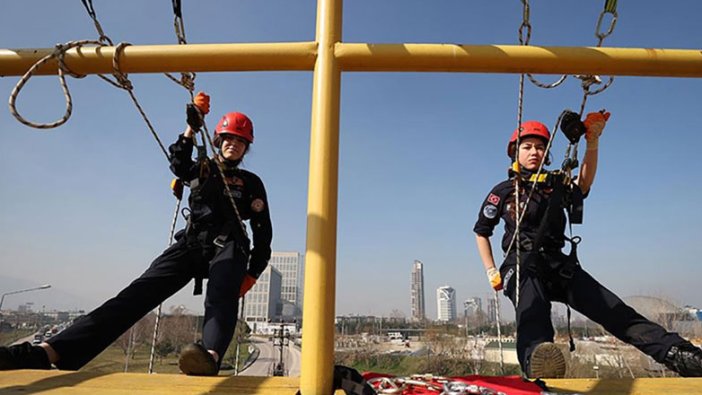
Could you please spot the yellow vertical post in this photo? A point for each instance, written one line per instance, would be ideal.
(320, 258)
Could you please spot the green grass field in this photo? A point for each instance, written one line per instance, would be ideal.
(113, 360)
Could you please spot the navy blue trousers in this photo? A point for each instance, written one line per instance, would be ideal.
(90, 335)
(584, 294)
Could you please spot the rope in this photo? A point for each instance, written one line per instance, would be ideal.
(160, 306)
(121, 79)
(58, 54)
(220, 167)
(88, 4)
(499, 333)
(187, 81)
(587, 82)
(123, 82)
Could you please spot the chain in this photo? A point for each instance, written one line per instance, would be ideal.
(187, 80)
(428, 384)
(587, 81)
(524, 37)
(610, 7)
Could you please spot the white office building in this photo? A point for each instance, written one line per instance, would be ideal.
(446, 303)
(264, 297)
(291, 267)
(417, 292)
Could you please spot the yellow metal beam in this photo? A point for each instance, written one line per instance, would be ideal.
(169, 58)
(56, 382)
(520, 59)
(369, 57)
(320, 258)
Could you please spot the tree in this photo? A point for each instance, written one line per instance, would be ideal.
(137, 335)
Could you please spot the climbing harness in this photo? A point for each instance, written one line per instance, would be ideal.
(121, 80)
(570, 163)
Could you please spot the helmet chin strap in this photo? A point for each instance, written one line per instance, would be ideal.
(228, 163)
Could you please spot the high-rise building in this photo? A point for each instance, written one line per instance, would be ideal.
(492, 310)
(417, 292)
(472, 306)
(264, 297)
(446, 303)
(291, 267)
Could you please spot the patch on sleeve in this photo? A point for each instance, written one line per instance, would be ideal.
(490, 211)
(493, 199)
(257, 205)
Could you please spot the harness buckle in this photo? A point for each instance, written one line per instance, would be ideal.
(219, 241)
(567, 271)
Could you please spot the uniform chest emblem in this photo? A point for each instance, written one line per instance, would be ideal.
(257, 205)
(234, 181)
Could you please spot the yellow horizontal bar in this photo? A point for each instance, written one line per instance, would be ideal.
(369, 57)
(520, 59)
(169, 58)
(57, 382)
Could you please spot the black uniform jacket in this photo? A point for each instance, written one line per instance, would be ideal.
(211, 208)
(500, 204)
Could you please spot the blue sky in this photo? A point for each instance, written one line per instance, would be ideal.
(86, 206)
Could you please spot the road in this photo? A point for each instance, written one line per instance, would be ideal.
(269, 357)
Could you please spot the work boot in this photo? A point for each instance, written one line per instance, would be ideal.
(23, 356)
(547, 361)
(684, 359)
(195, 360)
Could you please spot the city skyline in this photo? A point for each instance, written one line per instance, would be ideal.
(89, 206)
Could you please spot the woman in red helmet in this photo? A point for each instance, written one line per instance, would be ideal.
(213, 245)
(546, 274)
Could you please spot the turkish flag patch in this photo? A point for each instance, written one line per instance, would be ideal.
(494, 199)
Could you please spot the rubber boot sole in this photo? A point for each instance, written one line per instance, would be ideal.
(195, 360)
(547, 361)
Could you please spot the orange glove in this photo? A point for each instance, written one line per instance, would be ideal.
(594, 125)
(246, 285)
(495, 278)
(202, 102)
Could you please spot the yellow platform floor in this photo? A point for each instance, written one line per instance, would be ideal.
(60, 382)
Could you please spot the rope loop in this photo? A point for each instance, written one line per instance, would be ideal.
(524, 37)
(58, 54)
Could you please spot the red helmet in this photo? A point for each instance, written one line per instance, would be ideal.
(235, 123)
(529, 129)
